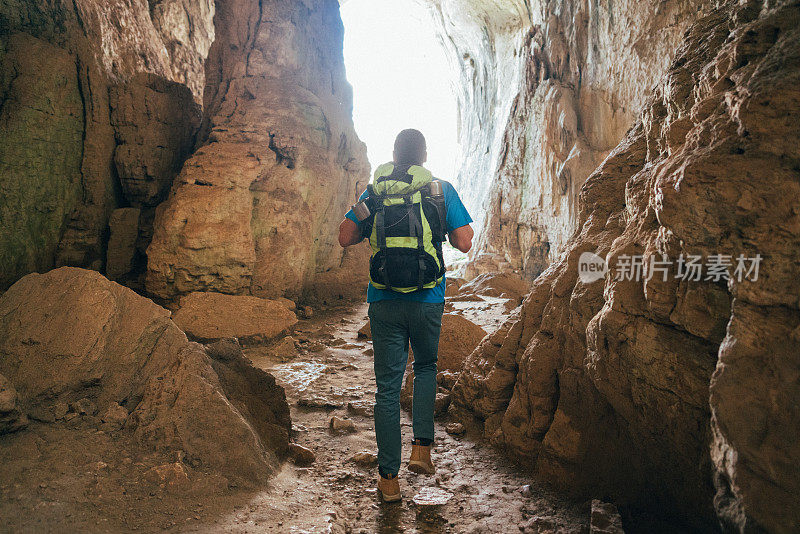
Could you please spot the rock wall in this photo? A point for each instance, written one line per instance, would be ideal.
(60, 163)
(255, 209)
(605, 384)
(546, 90)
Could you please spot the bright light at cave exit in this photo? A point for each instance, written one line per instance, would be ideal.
(400, 79)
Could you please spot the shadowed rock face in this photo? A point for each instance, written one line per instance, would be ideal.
(255, 209)
(64, 67)
(607, 383)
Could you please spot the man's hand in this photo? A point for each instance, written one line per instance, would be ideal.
(349, 234)
(461, 238)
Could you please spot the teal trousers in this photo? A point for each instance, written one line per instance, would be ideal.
(394, 323)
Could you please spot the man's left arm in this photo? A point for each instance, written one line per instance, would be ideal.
(458, 220)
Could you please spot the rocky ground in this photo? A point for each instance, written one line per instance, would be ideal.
(80, 472)
(336, 492)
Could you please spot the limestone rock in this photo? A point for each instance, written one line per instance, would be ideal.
(546, 90)
(361, 408)
(341, 425)
(455, 428)
(155, 121)
(458, 338)
(209, 316)
(606, 384)
(114, 417)
(365, 459)
(71, 336)
(496, 284)
(57, 63)
(41, 143)
(605, 519)
(255, 209)
(301, 456)
(11, 419)
(124, 231)
(365, 331)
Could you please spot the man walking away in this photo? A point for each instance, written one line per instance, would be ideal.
(406, 214)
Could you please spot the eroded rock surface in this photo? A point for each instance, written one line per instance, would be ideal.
(546, 90)
(211, 316)
(58, 61)
(255, 209)
(74, 343)
(606, 384)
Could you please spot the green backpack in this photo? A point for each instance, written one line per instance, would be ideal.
(406, 229)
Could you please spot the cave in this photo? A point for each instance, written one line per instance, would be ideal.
(184, 343)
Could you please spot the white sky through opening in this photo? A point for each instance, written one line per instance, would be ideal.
(401, 79)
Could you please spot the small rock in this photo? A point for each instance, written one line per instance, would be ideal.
(369, 352)
(456, 429)
(341, 425)
(605, 519)
(446, 379)
(526, 490)
(285, 349)
(432, 496)
(441, 404)
(301, 456)
(319, 403)
(84, 406)
(172, 475)
(365, 459)
(306, 312)
(114, 417)
(60, 410)
(361, 408)
(365, 331)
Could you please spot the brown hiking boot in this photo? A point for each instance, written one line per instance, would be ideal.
(389, 489)
(420, 461)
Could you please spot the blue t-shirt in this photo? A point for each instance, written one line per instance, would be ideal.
(457, 217)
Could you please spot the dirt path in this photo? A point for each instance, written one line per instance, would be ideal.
(336, 495)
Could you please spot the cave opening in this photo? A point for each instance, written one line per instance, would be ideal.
(401, 79)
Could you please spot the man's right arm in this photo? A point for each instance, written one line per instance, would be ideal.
(349, 233)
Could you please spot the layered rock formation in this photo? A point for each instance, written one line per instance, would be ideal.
(255, 210)
(605, 382)
(66, 67)
(100, 107)
(73, 344)
(546, 90)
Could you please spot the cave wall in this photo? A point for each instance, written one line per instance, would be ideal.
(546, 90)
(255, 209)
(67, 68)
(102, 102)
(673, 394)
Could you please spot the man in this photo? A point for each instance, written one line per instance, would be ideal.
(402, 215)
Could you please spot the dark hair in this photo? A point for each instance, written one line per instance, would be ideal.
(410, 148)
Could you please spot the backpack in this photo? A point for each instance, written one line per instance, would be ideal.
(406, 229)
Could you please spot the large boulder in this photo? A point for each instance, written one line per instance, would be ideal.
(211, 316)
(458, 339)
(72, 338)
